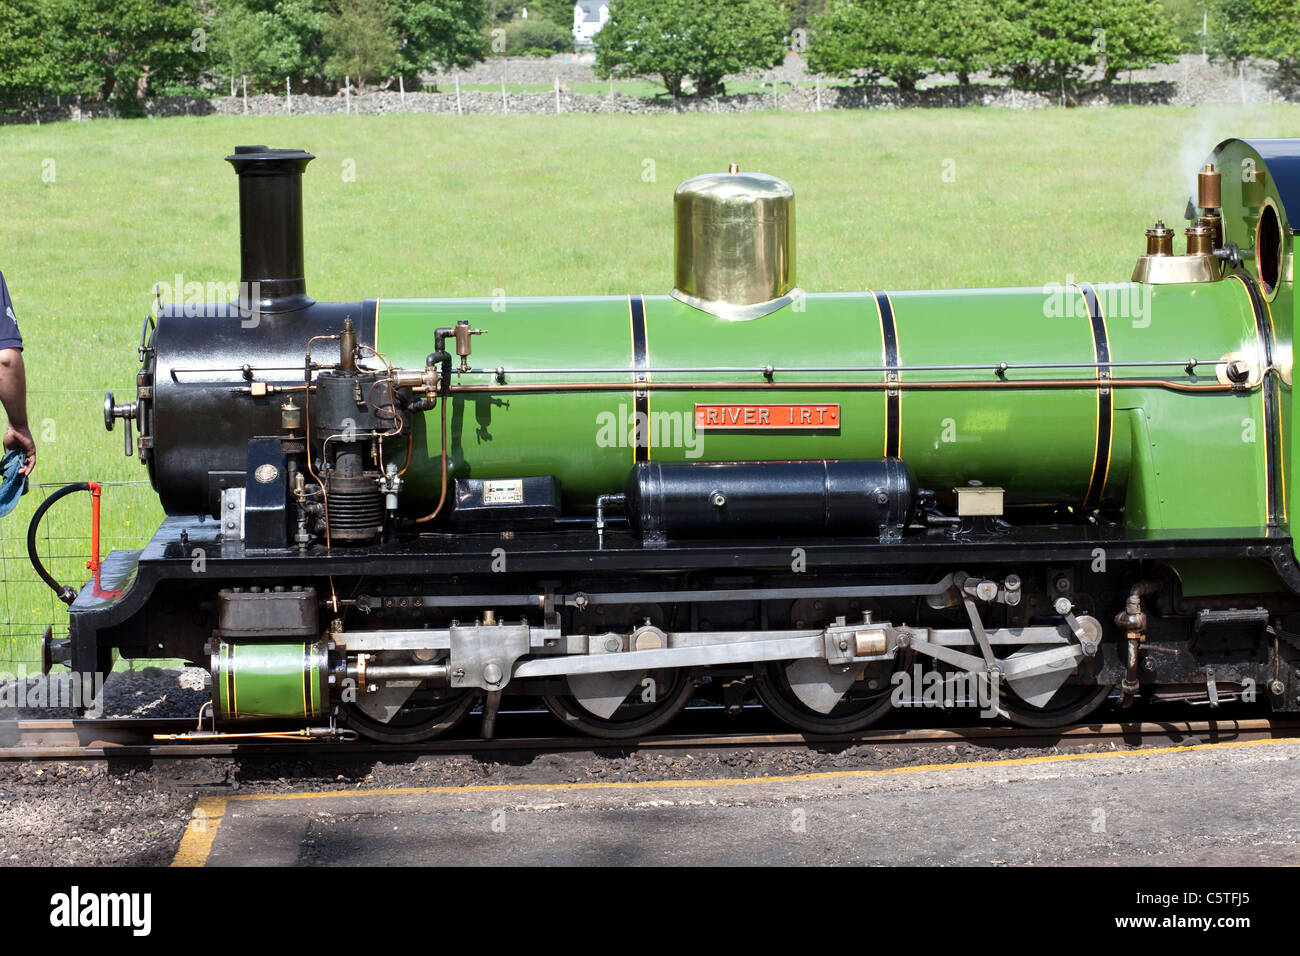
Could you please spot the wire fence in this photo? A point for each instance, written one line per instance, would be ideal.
(129, 515)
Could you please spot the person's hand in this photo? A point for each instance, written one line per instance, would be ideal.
(21, 439)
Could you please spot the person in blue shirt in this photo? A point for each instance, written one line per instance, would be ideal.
(13, 383)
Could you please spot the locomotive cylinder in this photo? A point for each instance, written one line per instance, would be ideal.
(256, 680)
(728, 498)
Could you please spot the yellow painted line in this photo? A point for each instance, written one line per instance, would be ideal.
(884, 362)
(898, 361)
(196, 843)
(1110, 400)
(747, 781)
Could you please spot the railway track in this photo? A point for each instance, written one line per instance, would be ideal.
(172, 738)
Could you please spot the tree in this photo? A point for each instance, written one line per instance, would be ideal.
(30, 62)
(1187, 17)
(361, 41)
(869, 39)
(1264, 29)
(968, 33)
(437, 34)
(537, 37)
(120, 49)
(1048, 44)
(559, 12)
(1234, 31)
(800, 12)
(501, 12)
(269, 40)
(703, 39)
(1136, 34)
(1051, 44)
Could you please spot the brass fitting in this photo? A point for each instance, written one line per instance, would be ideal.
(290, 416)
(1160, 240)
(1200, 241)
(348, 347)
(1214, 223)
(1209, 188)
(1133, 621)
(463, 333)
(1161, 267)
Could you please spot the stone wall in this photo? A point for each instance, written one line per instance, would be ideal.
(1190, 82)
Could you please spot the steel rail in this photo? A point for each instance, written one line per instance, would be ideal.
(137, 738)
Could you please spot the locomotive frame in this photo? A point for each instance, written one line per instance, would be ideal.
(813, 580)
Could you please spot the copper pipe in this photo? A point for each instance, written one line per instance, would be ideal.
(324, 496)
(442, 496)
(1089, 383)
(410, 447)
(319, 338)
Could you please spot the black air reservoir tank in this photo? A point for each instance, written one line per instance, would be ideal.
(850, 498)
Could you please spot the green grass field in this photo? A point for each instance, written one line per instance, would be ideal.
(94, 214)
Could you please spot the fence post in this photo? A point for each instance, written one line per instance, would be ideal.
(458, 111)
(288, 98)
(347, 94)
(557, 95)
(245, 94)
(401, 85)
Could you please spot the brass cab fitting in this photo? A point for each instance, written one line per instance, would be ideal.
(348, 347)
(1160, 240)
(1213, 223)
(1209, 188)
(1200, 241)
(1159, 266)
(1209, 196)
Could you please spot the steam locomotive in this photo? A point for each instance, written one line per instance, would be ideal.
(384, 514)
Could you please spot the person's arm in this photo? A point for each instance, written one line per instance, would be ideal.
(13, 395)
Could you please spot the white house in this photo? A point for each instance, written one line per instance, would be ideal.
(588, 17)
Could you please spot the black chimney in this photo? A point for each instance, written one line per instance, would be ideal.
(270, 228)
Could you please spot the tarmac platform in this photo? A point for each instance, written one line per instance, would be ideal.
(1227, 803)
